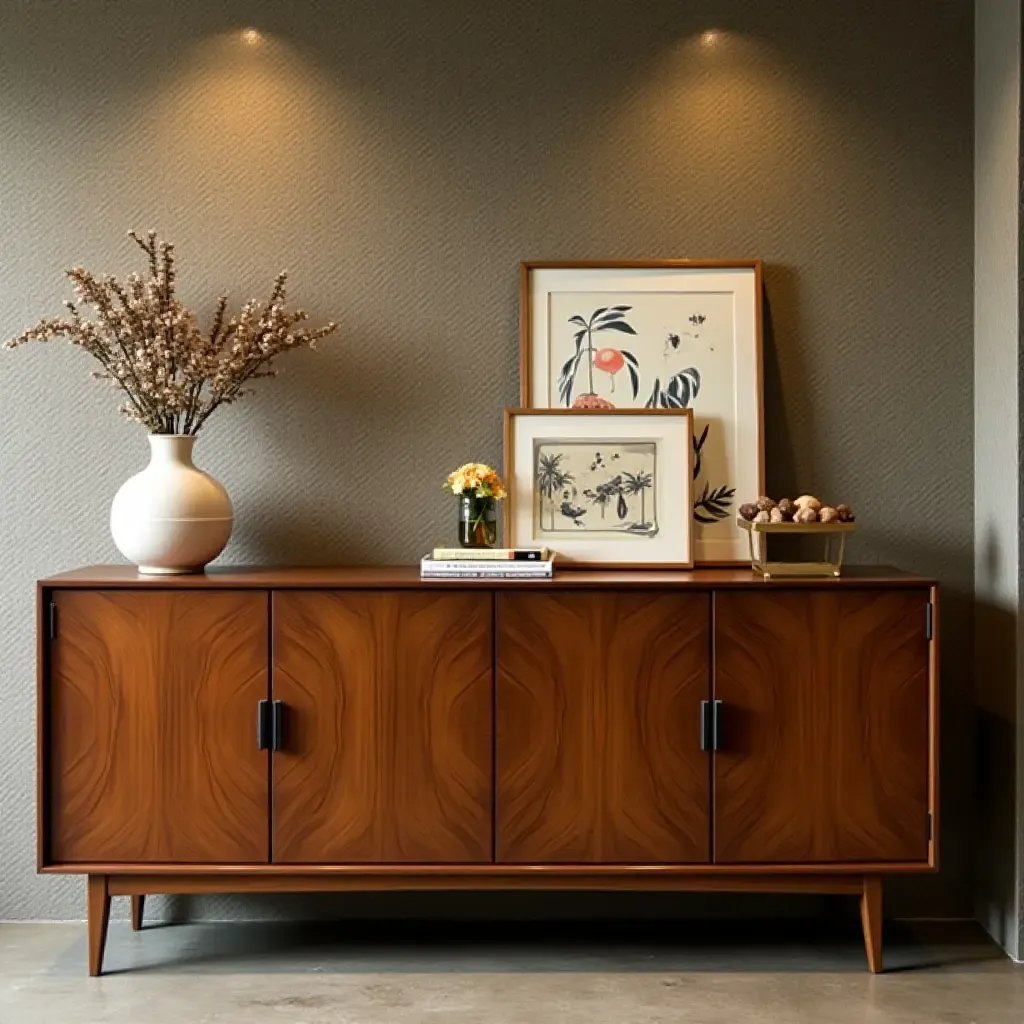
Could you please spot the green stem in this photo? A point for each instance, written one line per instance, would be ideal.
(478, 525)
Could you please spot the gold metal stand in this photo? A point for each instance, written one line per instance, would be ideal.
(757, 535)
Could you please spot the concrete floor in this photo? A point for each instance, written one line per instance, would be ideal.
(355, 973)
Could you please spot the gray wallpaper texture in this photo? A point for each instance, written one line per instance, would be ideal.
(997, 520)
(400, 159)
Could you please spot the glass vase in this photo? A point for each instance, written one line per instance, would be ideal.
(478, 521)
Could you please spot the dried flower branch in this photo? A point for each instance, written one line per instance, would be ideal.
(149, 345)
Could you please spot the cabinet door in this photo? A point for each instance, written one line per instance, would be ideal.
(151, 727)
(598, 712)
(388, 703)
(826, 704)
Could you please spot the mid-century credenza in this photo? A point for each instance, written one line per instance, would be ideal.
(335, 729)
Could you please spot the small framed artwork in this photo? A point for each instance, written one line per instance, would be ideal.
(601, 489)
(662, 334)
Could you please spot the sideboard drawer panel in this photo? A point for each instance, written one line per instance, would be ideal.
(599, 700)
(151, 717)
(387, 701)
(825, 742)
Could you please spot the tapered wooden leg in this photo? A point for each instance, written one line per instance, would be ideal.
(99, 919)
(871, 921)
(138, 902)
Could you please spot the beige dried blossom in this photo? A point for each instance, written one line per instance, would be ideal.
(151, 347)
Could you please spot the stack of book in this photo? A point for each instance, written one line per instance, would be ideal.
(487, 564)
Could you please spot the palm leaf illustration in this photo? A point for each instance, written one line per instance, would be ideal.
(571, 365)
(607, 318)
(713, 505)
(679, 391)
(633, 367)
(698, 445)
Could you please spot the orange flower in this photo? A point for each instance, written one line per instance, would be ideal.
(476, 478)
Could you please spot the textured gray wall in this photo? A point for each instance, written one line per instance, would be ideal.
(400, 159)
(997, 514)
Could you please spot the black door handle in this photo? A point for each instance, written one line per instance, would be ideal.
(718, 716)
(277, 731)
(263, 725)
(705, 725)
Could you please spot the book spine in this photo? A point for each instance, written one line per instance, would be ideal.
(432, 574)
(469, 555)
(436, 565)
(489, 555)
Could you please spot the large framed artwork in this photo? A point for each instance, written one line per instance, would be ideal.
(663, 334)
(609, 489)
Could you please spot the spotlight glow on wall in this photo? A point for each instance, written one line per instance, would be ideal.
(710, 38)
(251, 37)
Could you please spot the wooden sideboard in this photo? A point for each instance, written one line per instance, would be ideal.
(338, 729)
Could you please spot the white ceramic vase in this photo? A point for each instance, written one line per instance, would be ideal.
(171, 517)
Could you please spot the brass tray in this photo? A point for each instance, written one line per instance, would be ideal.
(757, 535)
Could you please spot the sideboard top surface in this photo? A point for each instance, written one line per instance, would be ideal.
(407, 576)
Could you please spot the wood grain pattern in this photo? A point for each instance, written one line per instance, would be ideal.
(389, 709)
(138, 910)
(933, 732)
(871, 921)
(42, 726)
(151, 781)
(151, 752)
(524, 872)
(408, 577)
(496, 876)
(98, 899)
(598, 719)
(826, 755)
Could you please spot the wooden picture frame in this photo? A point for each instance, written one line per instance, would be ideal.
(655, 445)
(658, 356)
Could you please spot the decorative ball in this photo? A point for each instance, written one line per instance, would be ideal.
(805, 515)
(807, 501)
(608, 359)
(592, 402)
(845, 513)
(828, 515)
(763, 517)
(776, 515)
(748, 511)
(787, 508)
(764, 504)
